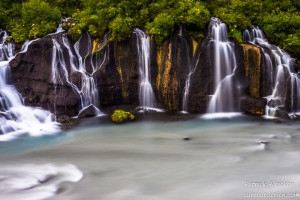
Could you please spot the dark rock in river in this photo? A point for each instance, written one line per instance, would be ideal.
(90, 111)
(282, 114)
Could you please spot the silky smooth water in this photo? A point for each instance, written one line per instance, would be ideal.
(223, 67)
(16, 119)
(281, 71)
(151, 160)
(146, 97)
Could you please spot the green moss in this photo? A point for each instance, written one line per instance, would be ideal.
(119, 116)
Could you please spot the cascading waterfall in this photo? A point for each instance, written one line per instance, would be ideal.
(6, 49)
(147, 98)
(224, 64)
(88, 91)
(279, 64)
(88, 83)
(59, 71)
(15, 118)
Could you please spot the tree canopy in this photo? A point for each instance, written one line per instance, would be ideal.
(280, 20)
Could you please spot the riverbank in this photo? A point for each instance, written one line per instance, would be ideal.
(159, 116)
(155, 157)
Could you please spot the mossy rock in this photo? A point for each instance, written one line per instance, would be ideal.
(119, 116)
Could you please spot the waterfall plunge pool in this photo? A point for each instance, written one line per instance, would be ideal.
(162, 159)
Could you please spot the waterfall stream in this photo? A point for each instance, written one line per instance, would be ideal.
(223, 65)
(279, 65)
(191, 69)
(147, 98)
(88, 90)
(15, 118)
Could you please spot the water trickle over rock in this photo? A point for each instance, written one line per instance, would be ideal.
(147, 98)
(280, 82)
(15, 118)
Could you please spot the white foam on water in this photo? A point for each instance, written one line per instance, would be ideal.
(144, 108)
(221, 115)
(33, 181)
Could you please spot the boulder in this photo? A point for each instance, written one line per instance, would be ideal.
(89, 111)
(282, 114)
(274, 103)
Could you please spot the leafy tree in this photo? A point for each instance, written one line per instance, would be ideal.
(9, 10)
(279, 19)
(237, 14)
(281, 23)
(160, 18)
(66, 7)
(36, 20)
(168, 14)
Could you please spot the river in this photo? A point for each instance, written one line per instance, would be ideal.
(199, 158)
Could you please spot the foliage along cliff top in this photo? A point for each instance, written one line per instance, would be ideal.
(279, 19)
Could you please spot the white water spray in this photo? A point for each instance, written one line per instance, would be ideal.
(147, 98)
(224, 64)
(281, 71)
(88, 90)
(15, 118)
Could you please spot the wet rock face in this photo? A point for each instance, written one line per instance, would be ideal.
(201, 79)
(253, 106)
(252, 63)
(118, 78)
(84, 44)
(250, 76)
(167, 79)
(31, 75)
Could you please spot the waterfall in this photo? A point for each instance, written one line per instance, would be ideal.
(61, 73)
(146, 97)
(6, 49)
(88, 82)
(191, 69)
(223, 65)
(15, 118)
(279, 65)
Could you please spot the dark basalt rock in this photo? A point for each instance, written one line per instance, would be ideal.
(115, 69)
(201, 79)
(31, 76)
(253, 106)
(109, 77)
(273, 103)
(282, 114)
(90, 111)
(84, 44)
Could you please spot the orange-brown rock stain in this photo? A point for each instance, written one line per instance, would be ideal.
(252, 61)
(166, 81)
